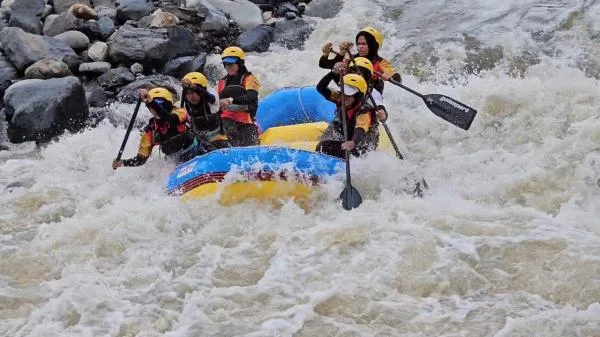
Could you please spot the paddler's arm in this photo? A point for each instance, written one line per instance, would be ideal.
(363, 121)
(250, 99)
(323, 87)
(144, 151)
(388, 71)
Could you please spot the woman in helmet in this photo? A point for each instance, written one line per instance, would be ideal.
(166, 128)
(201, 105)
(363, 134)
(364, 67)
(238, 93)
(368, 42)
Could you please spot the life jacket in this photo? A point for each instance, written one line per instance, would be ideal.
(376, 81)
(172, 137)
(351, 114)
(236, 112)
(201, 118)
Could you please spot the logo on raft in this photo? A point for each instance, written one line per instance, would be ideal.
(454, 104)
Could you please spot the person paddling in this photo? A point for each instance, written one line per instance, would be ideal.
(166, 128)
(368, 42)
(238, 93)
(363, 134)
(202, 105)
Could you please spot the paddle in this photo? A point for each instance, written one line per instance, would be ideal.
(444, 107)
(387, 130)
(350, 196)
(135, 112)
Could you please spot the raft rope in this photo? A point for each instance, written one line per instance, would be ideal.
(302, 105)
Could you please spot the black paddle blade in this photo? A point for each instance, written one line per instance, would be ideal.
(450, 110)
(350, 198)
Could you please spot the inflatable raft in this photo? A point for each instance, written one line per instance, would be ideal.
(291, 121)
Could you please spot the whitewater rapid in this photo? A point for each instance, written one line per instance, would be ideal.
(506, 241)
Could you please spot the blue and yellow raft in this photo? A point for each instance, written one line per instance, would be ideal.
(284, 165)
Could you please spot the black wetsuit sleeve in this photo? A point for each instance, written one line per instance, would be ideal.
(322, 86)
(396, 77)
(358, 135)
(250, 99)
(326, 63)
(138, 160)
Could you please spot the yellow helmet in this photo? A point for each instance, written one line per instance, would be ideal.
(375, 34)
(354, 83)
(195, 78)
(365, 63)
(161, 93)
(230, 54)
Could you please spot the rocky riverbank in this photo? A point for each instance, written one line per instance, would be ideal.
(63, 61)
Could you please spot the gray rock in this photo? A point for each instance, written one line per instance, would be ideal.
(133, 9)
(27, 14)
(75, 39)
(98, 51)
(23, 48)
(57, 24)
(38, 110)
(115, 78)
(47, 68)
(94, 67)
(325, 9)
(214, 19)
(47, 11)
(246, 14)
(137, 68)
(182, 65)
(292, 33)
(256, 39)
(105, 3)
(152, 47)
(106, 27)
(96, 97)
(63, 5)
(8, 72)
(128, 93)
(108, 12)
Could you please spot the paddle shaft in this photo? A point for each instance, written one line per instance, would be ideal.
(387, 130)
(345, 128)
(129, 128)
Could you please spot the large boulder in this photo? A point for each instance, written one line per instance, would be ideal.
(325, 9)
(38, 110)
(115, 78)
(133, 9)
(292, 33)
(256, 39)
(152, 47)
(214, 19)
(47, 68)
(27, 14)
(182, 65)
(128, 93)
(23, 48)
(246, 14)
(57, 24)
